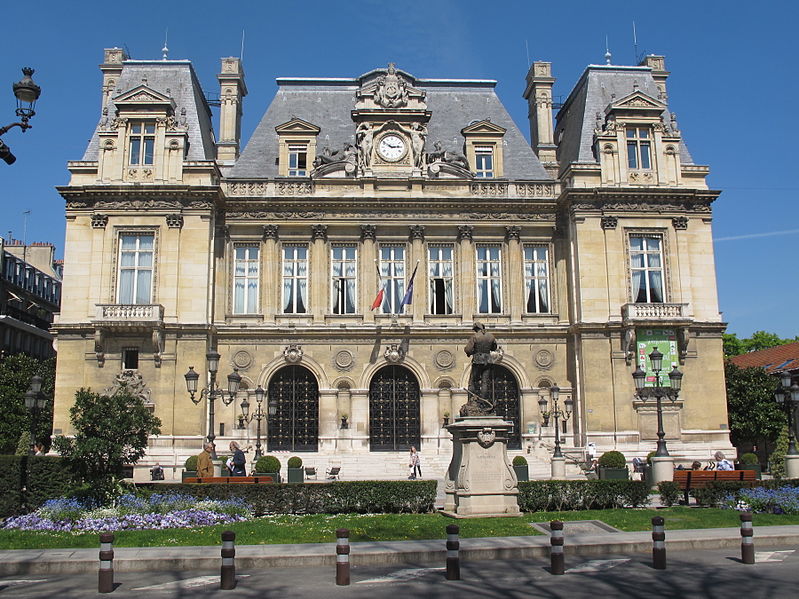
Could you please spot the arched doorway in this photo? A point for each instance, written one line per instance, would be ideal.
(504, 393)
(295, 426)
(393, 410)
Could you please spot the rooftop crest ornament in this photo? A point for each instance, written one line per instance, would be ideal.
(391, 91)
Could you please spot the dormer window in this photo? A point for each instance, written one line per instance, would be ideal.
(639, 148)
(297, 147)
(484, 161)
(142, 143)
(483, 146)
(298, 160)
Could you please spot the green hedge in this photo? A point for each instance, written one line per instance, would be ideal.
(670, 492)
(716, 491)
(28, 481)
(566, 495)
(360, 497)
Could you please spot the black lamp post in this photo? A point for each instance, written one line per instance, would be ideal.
(26, 92)
(659, 392)
(212, 392)
(35, 401)
(556, 413)
(787, 396)
(258, 415)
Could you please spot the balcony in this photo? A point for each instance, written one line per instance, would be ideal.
(129, 316)
(655, 313)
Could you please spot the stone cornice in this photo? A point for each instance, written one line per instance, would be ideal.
(646, 200)
(140, 197)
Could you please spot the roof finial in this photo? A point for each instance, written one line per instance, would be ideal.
(608, 55)
(165, 49)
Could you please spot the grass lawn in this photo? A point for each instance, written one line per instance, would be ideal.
(383, 527)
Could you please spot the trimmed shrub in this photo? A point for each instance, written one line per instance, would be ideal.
(294, 462)
(28, 481)
(750, 459)
(649, 457)
(612, 459)
(669, 492)
(267, 463)
(191, 464)
(519, 460)
(11, 482)
(567, 495)
(359, 497)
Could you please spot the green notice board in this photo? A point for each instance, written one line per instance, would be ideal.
(665, 340)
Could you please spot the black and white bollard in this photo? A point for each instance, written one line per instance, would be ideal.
(342, 556)
(453, 552)
(105, 579)
(556, 558)
(658, 543)
(227, 579)
(747, 542)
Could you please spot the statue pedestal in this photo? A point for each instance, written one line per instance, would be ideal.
(480, 480)
(792, 466)
(662, 469)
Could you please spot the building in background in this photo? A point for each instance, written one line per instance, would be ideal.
(341, 259)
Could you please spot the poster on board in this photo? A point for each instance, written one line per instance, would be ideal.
(665, 340)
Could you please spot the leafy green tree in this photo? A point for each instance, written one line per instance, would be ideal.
(753, 413)
(759, 340)
(777, 458)
(15, 377)
(732, 345)
(110, 432)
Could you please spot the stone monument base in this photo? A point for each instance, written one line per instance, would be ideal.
(480, 480)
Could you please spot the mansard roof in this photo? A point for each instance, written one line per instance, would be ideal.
(327, 103)
(171, 79)
(600, 87)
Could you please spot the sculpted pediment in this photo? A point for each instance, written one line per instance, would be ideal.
(389, 89)
(484, 126)
(143, 96)
(637, 101)
(296, 125)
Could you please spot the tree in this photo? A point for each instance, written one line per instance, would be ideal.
(110, 432)
(15, 377)
(732, 345)
(759, 340)
(753, 413)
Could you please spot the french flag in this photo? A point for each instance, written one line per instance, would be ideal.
(406, 301)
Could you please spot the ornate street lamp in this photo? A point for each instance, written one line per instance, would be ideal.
(659, 392)
(787, 397)
(26, 92)
(35, 401)
(556, 413)
(258, 415)
(212, 392)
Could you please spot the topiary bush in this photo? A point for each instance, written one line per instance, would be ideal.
(519, 460)
(28, 481)
(612, 459)
(191, 464)
(649, 457)
(267, 463)
(567, 495)
(750, 459)
(669, 492)
(294, 462)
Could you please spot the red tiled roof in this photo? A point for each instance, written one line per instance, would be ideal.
(773, 359)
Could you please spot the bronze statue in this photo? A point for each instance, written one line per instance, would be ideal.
(479, 347)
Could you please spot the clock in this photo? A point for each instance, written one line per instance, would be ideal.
(391, 147)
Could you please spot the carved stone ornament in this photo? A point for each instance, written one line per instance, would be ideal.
(512, 232)
(609, 222)
(416, 232)
(444, 359)
(99, 347)
(319, 232)
(680, 223)
(391, 91)
(130, 381)
(368, 232)
(544, 359)
(486, 437)
(99, 221)
(293, 353)
(174, 221)
(490, 189)
(270, 231)
(465, 232)
(394, 353)
(343, 360)
(242, 359)
(497, 355)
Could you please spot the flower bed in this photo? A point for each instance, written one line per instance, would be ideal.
(159, 511)
(765, 501)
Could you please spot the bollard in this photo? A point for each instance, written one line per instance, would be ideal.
(105, 578)
(342, 556)
(453, 556)
(556, 558)
(747, 542)
(227, 579)
(658, 543)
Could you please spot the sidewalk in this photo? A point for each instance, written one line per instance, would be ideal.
(133, 559)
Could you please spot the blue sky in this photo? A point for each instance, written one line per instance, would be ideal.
(733, 86)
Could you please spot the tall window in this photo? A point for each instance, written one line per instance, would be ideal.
(135, 268)
(484, 161)
(638, 148)
(298, 160)
(343, 268)
(295, 279)
(489, 279)
(536, 278)
(245, 279)
(142, 142)
(392, 273)
(646, 268)
(440, 269)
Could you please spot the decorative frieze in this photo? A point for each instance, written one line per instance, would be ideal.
(490, 190)
(247, 188)
(294, 188)
(535, 190)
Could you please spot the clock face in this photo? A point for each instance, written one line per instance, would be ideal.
(391, 147)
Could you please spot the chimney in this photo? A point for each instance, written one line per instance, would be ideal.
(539, 99)
(111, 69)
(659, 73)
(232, 92)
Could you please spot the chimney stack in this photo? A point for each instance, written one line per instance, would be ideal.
(539, 99)
(232, 92)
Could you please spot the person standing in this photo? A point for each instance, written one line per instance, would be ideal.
(415, 464)
(237, 460)
(205, 467)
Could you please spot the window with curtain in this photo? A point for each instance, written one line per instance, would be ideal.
(489, 279)
(536, 278)
(440, 269)
(343, 269)
(646, 269)
(392, 273)
(142, 143)
(135, 268)
(245, 279)
(295, 279)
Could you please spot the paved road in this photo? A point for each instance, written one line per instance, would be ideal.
(705, 574)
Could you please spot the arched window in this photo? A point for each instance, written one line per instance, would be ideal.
(393, 410)
(295, 427)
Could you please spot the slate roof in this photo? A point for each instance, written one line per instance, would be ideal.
(598, 86)
(327, 103)
(773, 359)
(179, 78)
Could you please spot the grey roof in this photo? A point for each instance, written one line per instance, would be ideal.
(327, 103)
(179, 78)
(599, 86)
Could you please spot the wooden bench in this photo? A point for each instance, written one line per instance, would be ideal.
(226, 480)
(700, 479)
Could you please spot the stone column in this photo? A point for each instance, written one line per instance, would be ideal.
(420, 291)
(428, 421)
(458, 398)
(368, 268)
(359, 419)
(466, 272)
(328, 425)
(319, 263)
(514, 275)
(272, 284)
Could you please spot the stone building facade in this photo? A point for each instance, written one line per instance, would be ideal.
(579, 251)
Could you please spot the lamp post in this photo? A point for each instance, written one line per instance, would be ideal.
(35, 401)
(258, 415)
(558, 461)
(26, 92)
(212, 392)
(787, 397)
(662, 462)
